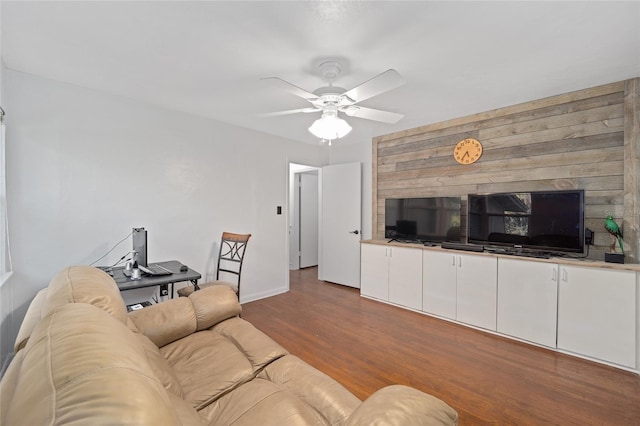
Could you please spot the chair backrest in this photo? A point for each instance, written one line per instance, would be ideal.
(232, 248)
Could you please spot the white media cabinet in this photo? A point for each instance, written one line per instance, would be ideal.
(579, 307)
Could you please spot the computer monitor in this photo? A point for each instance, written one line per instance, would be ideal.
(140, 246)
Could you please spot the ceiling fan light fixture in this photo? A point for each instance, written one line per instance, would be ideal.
(333, 99)
(330, 127)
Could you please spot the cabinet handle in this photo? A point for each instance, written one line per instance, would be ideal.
(460, 261)
(453, 260)
(554, 276)
(565, 275)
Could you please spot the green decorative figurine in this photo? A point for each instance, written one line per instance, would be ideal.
(612, 227)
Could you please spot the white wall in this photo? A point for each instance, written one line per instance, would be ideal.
(85, 167)
(353, 153)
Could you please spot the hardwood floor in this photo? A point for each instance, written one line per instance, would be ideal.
(366, 345)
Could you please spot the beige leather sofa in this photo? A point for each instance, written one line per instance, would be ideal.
(81, 359)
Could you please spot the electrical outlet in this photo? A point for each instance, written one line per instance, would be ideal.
(588, 236)
(164, 290)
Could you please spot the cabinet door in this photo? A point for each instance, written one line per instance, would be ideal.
(597, 313)
(439, 283)
(405, 277)
(476, 290)
(374, 271)
(528, 300)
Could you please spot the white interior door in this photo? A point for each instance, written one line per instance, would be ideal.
(308, 219)
(340, 224)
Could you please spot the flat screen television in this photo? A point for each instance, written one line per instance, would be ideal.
(550, 221)
(433, 219)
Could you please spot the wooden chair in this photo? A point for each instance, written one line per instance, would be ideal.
(230, 258)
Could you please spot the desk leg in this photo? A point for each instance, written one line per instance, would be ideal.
(172, 284)
(195, 284)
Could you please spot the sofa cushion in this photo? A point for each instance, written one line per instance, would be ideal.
(207, 365)
(82, 366)
(261, 402)
(166, 322)
(259, 348)
(399, 405)
(187, 415)
(177, 318)
(213, 305)
(210, 363)
(328, 397)
(160, 366)
(85, 284)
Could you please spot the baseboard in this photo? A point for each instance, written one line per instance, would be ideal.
(263, 295)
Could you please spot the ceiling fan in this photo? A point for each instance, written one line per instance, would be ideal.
(330, 100)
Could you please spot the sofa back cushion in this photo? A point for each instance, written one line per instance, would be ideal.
(82, 366)
(178, 318)
(160, 366)
(211, 363)
(85, 284)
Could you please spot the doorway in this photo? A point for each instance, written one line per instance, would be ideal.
(303, 216)
(333, 224)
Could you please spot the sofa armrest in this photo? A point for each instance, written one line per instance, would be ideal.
(31, 319)
(401, 405)
(174, 319)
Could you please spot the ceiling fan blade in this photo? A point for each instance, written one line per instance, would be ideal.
(388, 80)
(292, 88)
(291, 111)
(372, 114)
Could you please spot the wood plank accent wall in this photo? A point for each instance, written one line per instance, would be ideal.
(588, 139)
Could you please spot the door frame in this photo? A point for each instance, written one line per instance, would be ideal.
(299, 211)
(292, 169)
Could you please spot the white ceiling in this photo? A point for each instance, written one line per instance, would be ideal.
(207, 58)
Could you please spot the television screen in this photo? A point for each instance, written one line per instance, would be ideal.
(434, 219)
(545, 221)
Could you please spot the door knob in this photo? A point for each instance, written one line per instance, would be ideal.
(354, 232)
